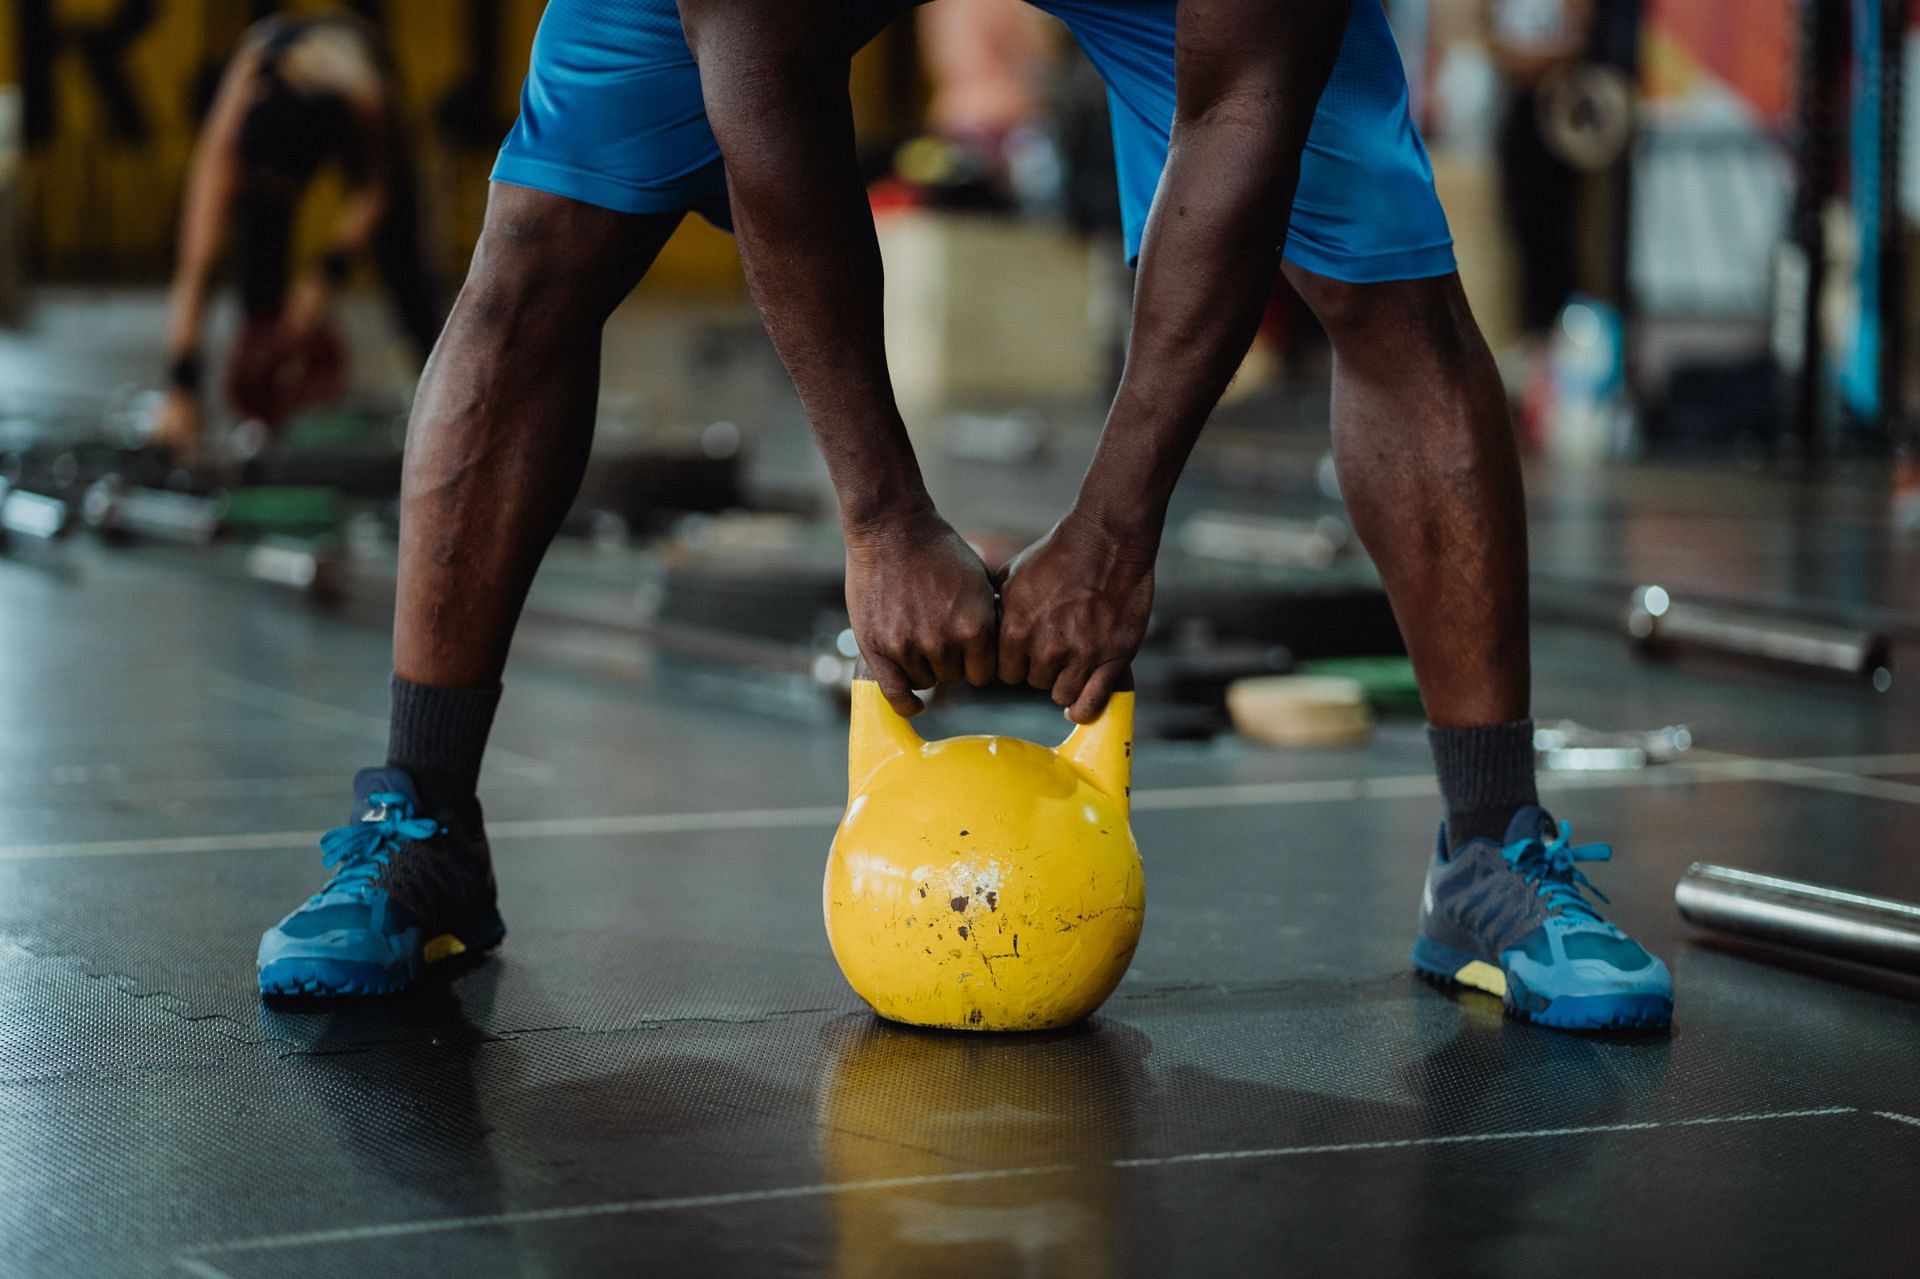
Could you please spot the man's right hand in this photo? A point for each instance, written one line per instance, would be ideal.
(922, 607)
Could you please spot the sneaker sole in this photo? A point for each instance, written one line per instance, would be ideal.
(327, 978)
(1454, 969)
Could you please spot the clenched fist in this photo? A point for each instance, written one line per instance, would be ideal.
(1073, 610)
(922, 607)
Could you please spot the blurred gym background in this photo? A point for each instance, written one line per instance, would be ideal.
(1686, 227)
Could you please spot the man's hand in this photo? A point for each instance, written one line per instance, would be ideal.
(1073, 609)
(922, 607)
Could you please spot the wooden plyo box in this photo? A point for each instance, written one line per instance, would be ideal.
(986, 311)
(1469, 188)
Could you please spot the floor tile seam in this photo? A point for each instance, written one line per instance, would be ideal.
(132, 988)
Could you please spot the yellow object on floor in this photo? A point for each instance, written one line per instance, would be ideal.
(984, 883)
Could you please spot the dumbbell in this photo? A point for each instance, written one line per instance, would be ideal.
(117, 510)
(32, 515)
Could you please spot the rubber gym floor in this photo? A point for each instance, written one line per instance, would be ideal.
(662, 1072)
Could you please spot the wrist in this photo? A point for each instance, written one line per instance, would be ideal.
(1131, 530)
(184, 373)
(886, 513)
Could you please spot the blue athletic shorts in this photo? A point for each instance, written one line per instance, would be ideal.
(611, 115)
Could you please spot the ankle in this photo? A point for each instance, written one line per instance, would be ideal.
(1489, 824)
(439, 737)
(1486, 776)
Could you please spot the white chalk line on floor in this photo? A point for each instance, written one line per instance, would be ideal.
(199, 1269)
(317, 714)
(630, 1207)
(497, 832)
(1817, 774)
(1897, 1117)
(114, 781)
(1842, 774)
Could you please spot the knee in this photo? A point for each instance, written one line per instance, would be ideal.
(1346, 311)
(539, 259)
(1416, 318)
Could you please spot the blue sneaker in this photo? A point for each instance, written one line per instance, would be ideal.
(407, 892)
(1514, 922)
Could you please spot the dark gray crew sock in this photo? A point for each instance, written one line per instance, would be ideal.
(1486, 775)
(439, 735)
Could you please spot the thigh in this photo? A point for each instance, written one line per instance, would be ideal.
(611, 113)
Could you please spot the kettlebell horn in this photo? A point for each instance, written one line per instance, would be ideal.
(1102, 752)
(876, 734)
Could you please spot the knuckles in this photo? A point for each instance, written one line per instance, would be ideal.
(1051, 652)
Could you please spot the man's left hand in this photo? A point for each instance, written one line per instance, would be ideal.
(1073, 610)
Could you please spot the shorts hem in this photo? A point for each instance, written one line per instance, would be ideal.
(1423, 263)
(704, 190)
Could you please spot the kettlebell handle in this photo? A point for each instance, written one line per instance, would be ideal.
(1101, 752)
(862, 671)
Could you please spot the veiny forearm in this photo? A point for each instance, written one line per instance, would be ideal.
(812, 260)
(1208, 263)
(1251, 73)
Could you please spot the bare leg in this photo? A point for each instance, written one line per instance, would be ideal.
(1428, 466)
(500, 429)
(1429, 469)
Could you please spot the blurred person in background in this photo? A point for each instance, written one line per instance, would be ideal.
(302, 93)
(986, 62)
(986, 65)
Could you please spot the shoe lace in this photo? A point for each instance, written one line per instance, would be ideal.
(1548, 865)
(358, 852)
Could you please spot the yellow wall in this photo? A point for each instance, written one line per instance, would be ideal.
(102, 205)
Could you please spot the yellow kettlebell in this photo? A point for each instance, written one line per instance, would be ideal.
(984, 883)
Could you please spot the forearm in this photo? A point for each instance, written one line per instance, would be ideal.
(213, 182)
(1208, 263)
(812, 260)
(186, 313)
(1211, 253)
(203, 221)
